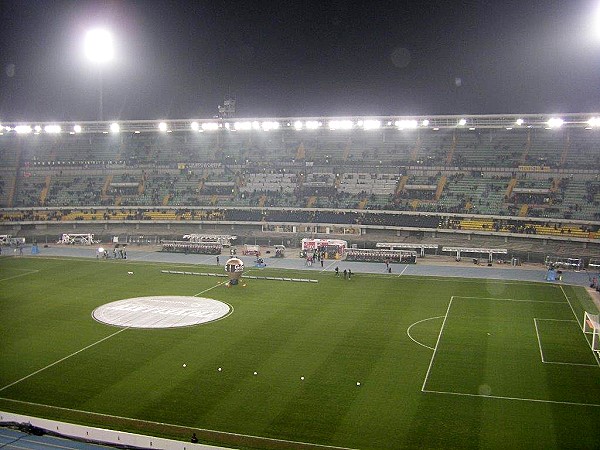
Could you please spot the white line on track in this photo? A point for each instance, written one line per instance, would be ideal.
(62, 359)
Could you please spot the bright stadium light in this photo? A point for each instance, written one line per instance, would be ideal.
(23, 129)
(340, 124)
(99, 46)
(210, 126)
(52, 129)
(268, 126)
(195, 126)
(114, 127)
(162, 126)
(594, 122)
(243, 126)
(298, 125)
(406, 124)
(555, 122)
(371, 124)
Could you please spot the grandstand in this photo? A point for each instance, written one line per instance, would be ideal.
(510, 180)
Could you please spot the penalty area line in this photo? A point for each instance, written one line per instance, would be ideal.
(63, 359)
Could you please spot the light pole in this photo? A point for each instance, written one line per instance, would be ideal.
(99, 50)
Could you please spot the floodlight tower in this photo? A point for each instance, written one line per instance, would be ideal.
(99, 50)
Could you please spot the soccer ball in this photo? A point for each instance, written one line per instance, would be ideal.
(302, 378)
(219, 369)
(358, 383)
(185, 365)
(255, 373)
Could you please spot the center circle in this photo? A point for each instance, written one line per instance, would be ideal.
(169, 311)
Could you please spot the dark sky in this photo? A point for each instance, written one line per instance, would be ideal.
(178, 59)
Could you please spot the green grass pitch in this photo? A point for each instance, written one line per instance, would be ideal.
(442, 363)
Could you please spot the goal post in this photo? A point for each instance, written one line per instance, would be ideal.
(591, 325)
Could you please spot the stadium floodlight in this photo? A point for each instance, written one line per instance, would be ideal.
(270, 125)
(195, 126)
(371, 124)
(243, 126)
(99, 46)
(520, 122)
(298, 125)
(425, 122)
(52, 129)
(114, 127)
(462, 122)
(340, 124)
(23, 129)
(555, 122)
(406, 124)
(162, 126)
(210, 126)
(594, 122)
(77, 128)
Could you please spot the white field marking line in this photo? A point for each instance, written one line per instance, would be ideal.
(20, 275)
(507, 299)
(557, 320)
(404, 270)
(150, 422)
(540, 345)
(500, 397)
(538, 339)
(63, 359)
(412, 325)
(437, 343)
(596, 357)
(571, 364)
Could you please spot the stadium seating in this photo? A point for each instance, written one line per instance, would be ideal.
(526, 173)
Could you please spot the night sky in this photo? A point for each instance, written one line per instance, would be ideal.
(179, 59)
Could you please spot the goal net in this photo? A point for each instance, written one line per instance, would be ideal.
(591, 326)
